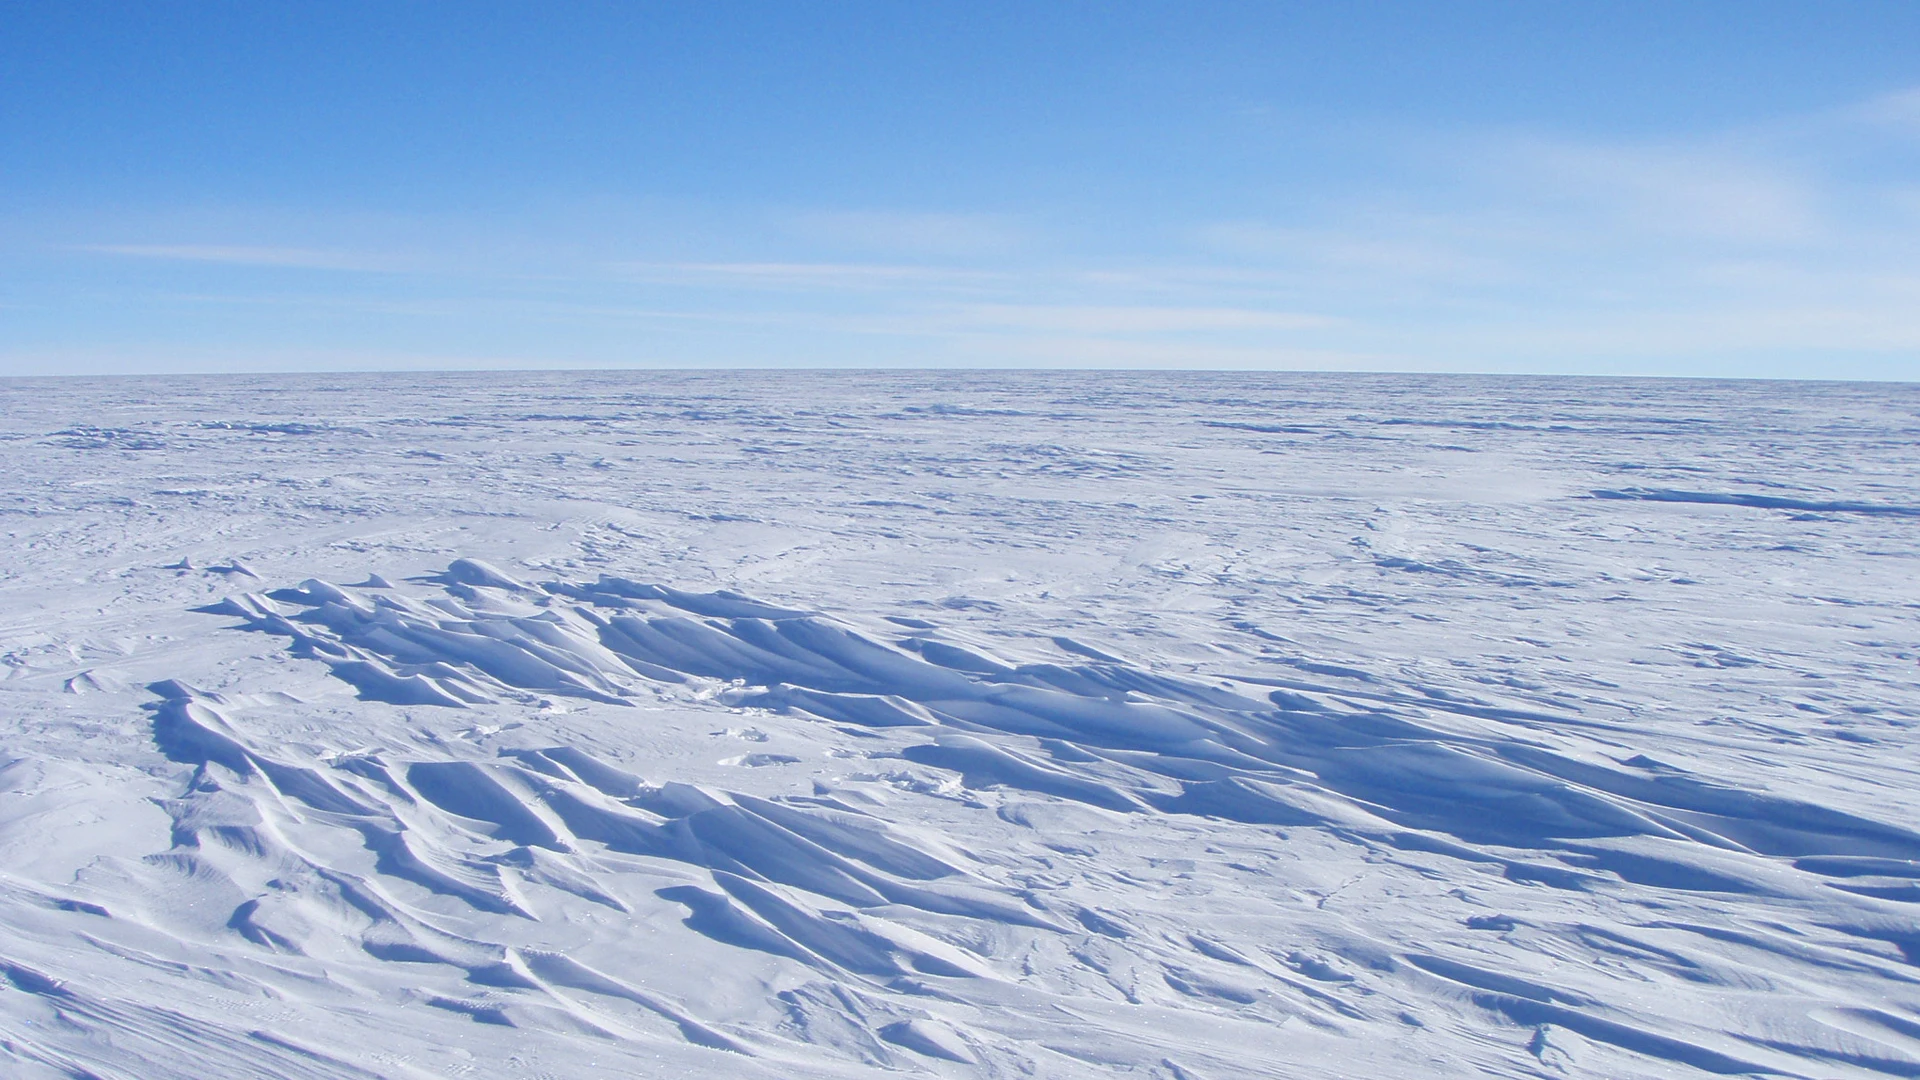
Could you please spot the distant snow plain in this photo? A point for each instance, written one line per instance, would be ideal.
(958, 724)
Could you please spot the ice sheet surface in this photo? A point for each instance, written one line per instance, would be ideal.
(972, 725)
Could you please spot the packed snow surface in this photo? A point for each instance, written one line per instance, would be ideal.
(967, 725)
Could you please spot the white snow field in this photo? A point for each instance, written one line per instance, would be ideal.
(965, 725)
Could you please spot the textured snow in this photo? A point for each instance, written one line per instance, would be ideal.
(1069, 725)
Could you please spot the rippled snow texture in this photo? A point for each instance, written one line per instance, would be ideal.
(975, 725)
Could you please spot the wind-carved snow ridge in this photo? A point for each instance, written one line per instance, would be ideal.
(499, 875)
(1301, 756)
(481, 832)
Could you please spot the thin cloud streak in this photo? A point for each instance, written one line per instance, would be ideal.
(913, 234)
(1097, 353)
(806, 275)
(1135, 319)
(244, 255)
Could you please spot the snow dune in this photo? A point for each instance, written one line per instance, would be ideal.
(1016, 736)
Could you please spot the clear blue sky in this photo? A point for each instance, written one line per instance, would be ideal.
(1703, 188)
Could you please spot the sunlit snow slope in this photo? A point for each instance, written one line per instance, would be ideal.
(1176, 726)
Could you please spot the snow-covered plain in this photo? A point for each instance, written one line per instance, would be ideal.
(997, 725)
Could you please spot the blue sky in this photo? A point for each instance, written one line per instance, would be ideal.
(1649, 188)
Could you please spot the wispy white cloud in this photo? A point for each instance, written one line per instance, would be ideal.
(1663, 341)
(244, 255)
(234, 359)
(1125, 319)
(1392, 243)
(1708, 254)
(1898, 111)
(1044, 350)
(934, 235)
(1698, 192)
(806, 275)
